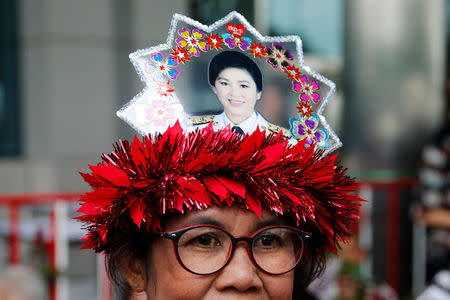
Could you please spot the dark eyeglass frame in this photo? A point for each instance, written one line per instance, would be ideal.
(175, 236)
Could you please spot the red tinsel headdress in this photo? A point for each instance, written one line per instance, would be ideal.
(179, 171)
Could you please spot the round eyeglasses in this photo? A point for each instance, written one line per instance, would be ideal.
(206, 249)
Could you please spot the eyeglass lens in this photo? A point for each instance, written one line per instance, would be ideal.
(205, 249)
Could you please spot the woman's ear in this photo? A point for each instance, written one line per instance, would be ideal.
(134, 272)
(258, 95)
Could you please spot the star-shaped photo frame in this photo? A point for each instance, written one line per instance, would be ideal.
(177, 84)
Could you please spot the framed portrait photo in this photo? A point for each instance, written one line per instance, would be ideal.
(227, 74)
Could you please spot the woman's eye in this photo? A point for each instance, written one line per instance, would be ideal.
(206, 240)
(244, 86)
(268, 241)
(223, 83)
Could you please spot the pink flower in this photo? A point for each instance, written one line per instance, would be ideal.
(308, 90)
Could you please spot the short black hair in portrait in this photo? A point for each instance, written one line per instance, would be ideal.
(234, 59)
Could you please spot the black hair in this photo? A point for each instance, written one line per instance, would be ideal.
(234, 59)
(127, 246)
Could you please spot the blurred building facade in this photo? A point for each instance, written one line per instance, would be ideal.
(74, 74)
(394, 74)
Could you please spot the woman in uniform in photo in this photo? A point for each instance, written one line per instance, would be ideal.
(237, 82)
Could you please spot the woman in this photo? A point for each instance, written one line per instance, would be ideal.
(238, 83)
(216, 215)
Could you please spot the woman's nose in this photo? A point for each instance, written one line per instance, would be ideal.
(234, 91)
(240, 274)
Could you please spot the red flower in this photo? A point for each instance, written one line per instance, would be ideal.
(164, 89)
(257, 50)
(214, 41)
(181, 55)
(292, 72)
(304, 109)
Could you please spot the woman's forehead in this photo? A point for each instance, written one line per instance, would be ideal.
(229, 218)
(232, 73)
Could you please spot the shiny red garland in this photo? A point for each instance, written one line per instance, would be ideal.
(179, 171)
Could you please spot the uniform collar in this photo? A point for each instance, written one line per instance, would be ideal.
(248, 126)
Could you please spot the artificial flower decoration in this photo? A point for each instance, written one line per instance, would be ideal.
(278, 56)
(157, 113)
(193, 42)
(309, 91)
(292, 72)
(304, 109)
(181, 55)
(307, 128)
(137, 184)
(257, 50)
(162, 68)
(214, 42)
(164, 89)
(233, 41)
(235, 37)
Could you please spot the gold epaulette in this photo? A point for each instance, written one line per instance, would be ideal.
(201, 119)
(272, 128)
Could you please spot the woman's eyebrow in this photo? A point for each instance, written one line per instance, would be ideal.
(221, 78)
(204, 220)
(270, 222)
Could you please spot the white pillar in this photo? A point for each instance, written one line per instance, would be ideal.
(61, 250)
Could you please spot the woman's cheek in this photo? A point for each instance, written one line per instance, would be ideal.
(279, 287)
(169, 280)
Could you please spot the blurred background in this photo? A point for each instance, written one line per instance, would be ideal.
(64, 72)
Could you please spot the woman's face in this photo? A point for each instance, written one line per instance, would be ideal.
(240, 279)
(237, 92)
